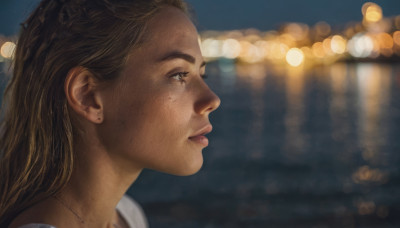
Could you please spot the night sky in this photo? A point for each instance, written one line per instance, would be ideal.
(237, 14)
(269, 14)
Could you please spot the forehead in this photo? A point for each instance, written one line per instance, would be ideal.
(171, 29)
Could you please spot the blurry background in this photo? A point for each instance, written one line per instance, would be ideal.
(307, 132)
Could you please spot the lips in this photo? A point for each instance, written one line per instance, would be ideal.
(199, 137)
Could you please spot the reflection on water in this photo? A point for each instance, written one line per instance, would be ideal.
(291, 148)
(257, 75)
(295, 142)
(373, 99)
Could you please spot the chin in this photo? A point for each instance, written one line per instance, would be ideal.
(189, 172)
(186, 169)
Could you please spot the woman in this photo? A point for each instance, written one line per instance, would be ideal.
(101, 90)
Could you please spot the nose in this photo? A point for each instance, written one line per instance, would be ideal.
(207, 101)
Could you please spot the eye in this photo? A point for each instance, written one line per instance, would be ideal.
(180, 76)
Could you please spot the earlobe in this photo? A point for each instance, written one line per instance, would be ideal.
(82, 94)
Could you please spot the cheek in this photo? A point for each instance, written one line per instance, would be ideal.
(156, 121)
(152, 132)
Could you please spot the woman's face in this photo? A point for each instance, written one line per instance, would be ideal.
(156, 113)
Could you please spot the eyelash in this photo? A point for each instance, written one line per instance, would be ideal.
(182, 75)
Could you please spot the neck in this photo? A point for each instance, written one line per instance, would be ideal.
(96, 186)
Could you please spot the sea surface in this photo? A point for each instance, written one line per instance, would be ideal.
(291, 147)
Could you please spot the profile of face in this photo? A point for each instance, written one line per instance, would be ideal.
(157, 112)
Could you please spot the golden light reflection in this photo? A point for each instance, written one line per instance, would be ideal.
(373, 96)
(295, 140)
(295, 57)
(366, 207)
(338, 104)
(255, 75)
(366, 175)
(254, 72)
(7, 50)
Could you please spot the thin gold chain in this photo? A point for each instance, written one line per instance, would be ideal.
(70, 209)
(76, 214)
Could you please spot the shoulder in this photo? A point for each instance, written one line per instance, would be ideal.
(132, 212)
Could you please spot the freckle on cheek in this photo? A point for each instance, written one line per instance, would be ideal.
(171, 98)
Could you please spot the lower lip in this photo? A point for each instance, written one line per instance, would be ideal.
(201, 139)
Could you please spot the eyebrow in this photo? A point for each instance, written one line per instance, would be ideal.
(180, 55)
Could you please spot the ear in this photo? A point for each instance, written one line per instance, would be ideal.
(82, 96)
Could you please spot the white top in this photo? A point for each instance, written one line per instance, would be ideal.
(129, 209)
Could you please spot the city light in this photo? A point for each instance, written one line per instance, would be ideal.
(372, 12)
(338, 44)
(211, 48)
(361, 46)
(396, 38)
(295, 57)
(296, 43)
(318, 50)
(7, 50)
(231, 49)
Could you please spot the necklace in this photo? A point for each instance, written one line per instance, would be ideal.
(70, 209)
(76, 214)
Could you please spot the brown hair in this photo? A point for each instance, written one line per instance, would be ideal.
(36, 143)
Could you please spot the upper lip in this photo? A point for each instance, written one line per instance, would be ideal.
(203, 131)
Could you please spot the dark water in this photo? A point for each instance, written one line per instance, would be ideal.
(317, 148)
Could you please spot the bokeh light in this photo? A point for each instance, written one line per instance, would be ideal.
(211, 48)
(318, 50)
(338, 44)
(396, 38)
(295, 57)
(372, 12)
(360, 46)
(322, 29)
(7, 50)
(375, 37)
(231, 49)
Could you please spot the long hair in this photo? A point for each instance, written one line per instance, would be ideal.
(37, 134)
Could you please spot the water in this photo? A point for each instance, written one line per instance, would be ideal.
(291, 148)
